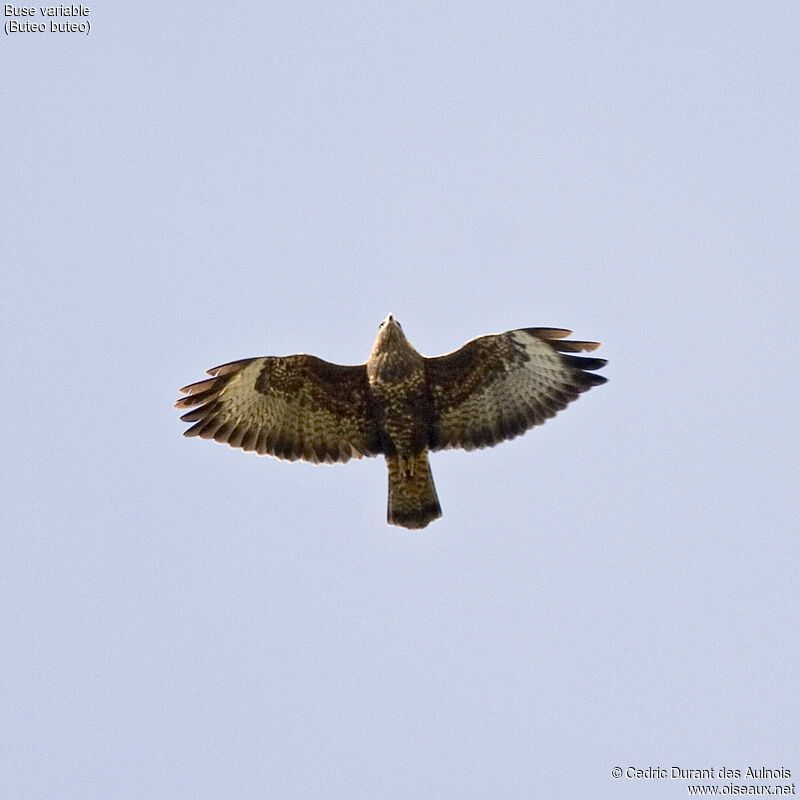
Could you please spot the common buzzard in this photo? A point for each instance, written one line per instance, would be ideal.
(398, 404)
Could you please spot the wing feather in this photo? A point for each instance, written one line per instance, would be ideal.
(292, 407)
(496, 387)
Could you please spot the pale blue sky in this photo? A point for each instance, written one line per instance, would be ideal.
(196, 183)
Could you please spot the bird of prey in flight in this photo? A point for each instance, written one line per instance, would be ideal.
(399, 404)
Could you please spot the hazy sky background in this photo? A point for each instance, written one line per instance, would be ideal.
(195, 183)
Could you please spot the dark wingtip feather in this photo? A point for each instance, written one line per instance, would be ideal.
(195, 429)
(582, 362)
(193, 400)
(203, 412)
(589, 379)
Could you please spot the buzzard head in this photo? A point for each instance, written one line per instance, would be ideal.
(392, 354)
(390, 334)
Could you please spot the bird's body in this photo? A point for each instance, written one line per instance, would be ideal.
(398, 404)
(404, 407)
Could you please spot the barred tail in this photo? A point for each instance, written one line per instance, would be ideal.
(412, 496)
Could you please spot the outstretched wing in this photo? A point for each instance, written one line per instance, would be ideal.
(496, 387)
(292, 407)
